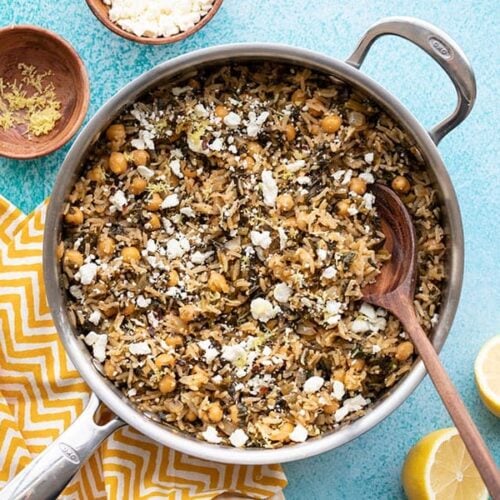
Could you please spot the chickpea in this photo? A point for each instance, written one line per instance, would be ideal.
(96, 174)
(221, 111)
(343, 208)
(174, 341)
(116, 133)
(299, 97)
(117, 163)
(283, 433)
(109, 310)
(249, 162)
(165, 359)
(74, 216)
(284, 202)
(358, 185)
(401, 184)
(191, 416)
(140, 157)
(173, 278)
(128, 309)
(331, 408)
(290, 132)
(138, 185)
(217, 282)
(155, 223)
(109, 368)
(306, 259)
(154, 203)
(60, 251)
(254, 148)
(131, 254)
(215, 413)
(188, 313)
(234, 414)
(339, 374)
(105, 247)
(331, 123)
(404, 351)
(73, 258)
(358, 364)
(167, 384)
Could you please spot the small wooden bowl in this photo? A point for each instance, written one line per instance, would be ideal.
(101, 11)
(45, 50)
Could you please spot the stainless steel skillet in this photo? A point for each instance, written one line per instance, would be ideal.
(51, 471)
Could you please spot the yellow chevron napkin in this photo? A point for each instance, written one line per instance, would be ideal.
(41, 393)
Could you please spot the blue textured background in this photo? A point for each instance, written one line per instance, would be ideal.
(370, 466)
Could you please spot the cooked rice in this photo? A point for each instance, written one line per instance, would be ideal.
(241, 319)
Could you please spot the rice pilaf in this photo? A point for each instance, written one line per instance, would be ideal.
(214, 249)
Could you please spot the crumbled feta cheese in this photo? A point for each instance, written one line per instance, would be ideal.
(87, 273)
(118, 200)
(210, 435)
(238, 438)
(177, 91)
(283, 238)
(95, 317)
(369, 200)
(132, 392)
(313, 384)
(139, 348)
(368, 310)
(263, 310)
(376, 349)
(261, 239)
(76, 291)
(347, 177)
(232, 120)
(322, 254)
(98, 342)
(329, 273)
(303, 180)
(200, 257)
(188, 212)
(295, 166)
(352, 210)
(269, 188)
(369, 157)
(233, 353)
(177, 247)
(367, 177)
(217, 144)
(172, 200)
(360, 326)
(145, 172)
(435, 319)
(338, 390)
(282, 292)
(217, 379)
(175, 167)
(142, 301)
(350, 405)
(299, 434)
(151, 246)
(210, 352)
(201, 111)
(255, 123)
(144, 141)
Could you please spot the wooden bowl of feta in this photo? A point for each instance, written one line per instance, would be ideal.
(154, 22)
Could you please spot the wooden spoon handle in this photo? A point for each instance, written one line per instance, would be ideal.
(454, 404)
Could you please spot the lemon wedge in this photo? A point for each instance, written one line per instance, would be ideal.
(439, 467)
(487, 373)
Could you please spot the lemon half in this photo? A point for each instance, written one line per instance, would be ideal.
(487, 373)
(439, 467)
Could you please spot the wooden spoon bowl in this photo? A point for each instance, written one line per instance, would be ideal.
(101, 11)
(46, 51)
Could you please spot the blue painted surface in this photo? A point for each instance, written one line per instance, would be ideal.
(370, 466)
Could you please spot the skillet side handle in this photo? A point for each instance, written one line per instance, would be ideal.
(441, 48)
(47, 476)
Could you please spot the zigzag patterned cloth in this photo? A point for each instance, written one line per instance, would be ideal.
(41, 394)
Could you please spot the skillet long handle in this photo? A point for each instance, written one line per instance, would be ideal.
(47, 476)
(454, 404)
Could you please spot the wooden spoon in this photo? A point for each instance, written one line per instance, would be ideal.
(394, 290)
